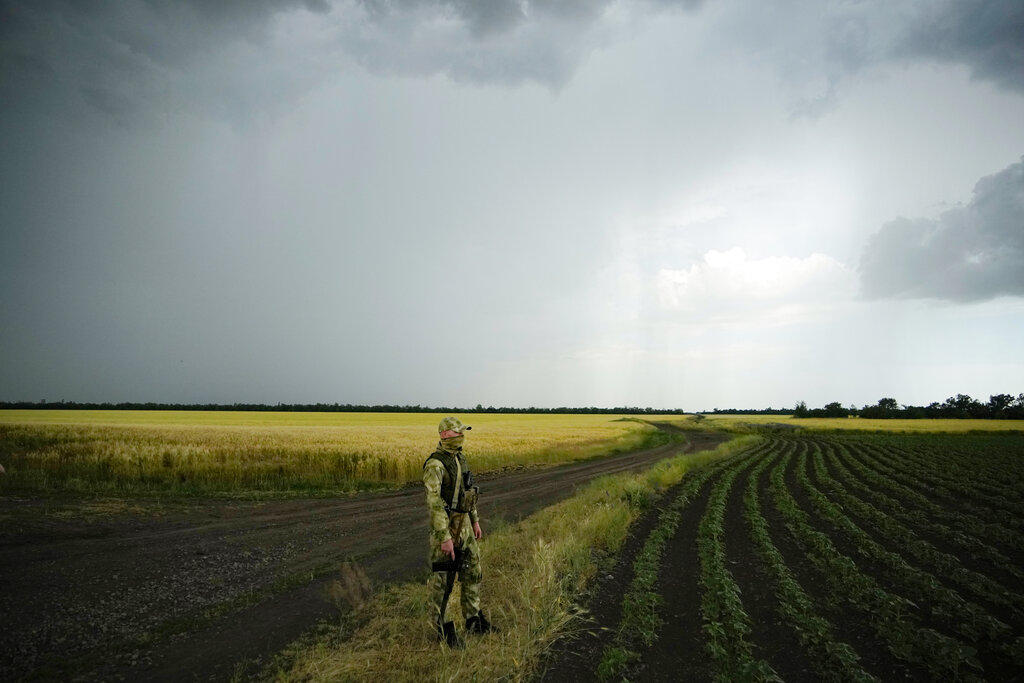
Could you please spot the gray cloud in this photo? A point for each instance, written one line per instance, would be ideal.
(817, 52)
(145, 59)
(985, 35)
(969, 253)
(504, 42)
(507, 42)
(132, 60)
(142, 60)
(497, 17)
(510, 41)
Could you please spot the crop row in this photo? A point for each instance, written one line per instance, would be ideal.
(852, 537)
(942, 605)
(951, 474)
(924, 552)
(925, 584)
(891, 615)
(833, 659)
(946, 503)
(976, 474)
(963, 531)
(954, 490)
(726, 624)
(641, 618)
(990, 460)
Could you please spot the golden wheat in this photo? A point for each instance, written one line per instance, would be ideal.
(207, 451)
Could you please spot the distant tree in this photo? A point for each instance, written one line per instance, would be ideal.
(888, 404)
(885, 408)
(1016, 409)
(1003, 406)
(999, 405)
(962, 406)
(914, 412)
(835, 409)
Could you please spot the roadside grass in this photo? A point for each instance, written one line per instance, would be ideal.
(754, 423)
(534, 574)
(266, 454)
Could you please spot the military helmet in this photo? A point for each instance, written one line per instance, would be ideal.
(451, 424)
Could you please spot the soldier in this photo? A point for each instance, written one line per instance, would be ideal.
(454, 530)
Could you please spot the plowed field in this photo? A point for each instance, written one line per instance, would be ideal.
(827, 557)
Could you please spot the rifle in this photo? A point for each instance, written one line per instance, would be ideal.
(451, 567)
(467, 501)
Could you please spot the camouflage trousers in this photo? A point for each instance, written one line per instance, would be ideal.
(469, 579)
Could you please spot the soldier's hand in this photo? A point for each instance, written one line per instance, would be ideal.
(448, 548)
(476, 531)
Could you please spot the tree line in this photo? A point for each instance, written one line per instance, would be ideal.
(331, 408)
(961, 406)
(998, 407)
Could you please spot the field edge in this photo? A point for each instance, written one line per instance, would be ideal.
(536, 572)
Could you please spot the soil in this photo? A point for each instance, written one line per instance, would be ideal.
(771, 635)
(209, 589)
(855, 632)
(679, 652)
(965, 558)
(575, 657)
(679, 655)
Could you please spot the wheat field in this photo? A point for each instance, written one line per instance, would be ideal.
(221, 451)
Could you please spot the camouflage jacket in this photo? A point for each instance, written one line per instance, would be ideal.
(442, 479)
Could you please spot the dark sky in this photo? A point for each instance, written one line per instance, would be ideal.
(676, 204)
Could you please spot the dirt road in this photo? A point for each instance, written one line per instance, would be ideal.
(199, 590)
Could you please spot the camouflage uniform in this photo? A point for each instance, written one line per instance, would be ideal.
(442, 474)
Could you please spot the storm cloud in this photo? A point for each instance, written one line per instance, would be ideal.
(985, 35)
(282, 200)
(135, 61)
(969, 253)
(512, 41)
(142, 60)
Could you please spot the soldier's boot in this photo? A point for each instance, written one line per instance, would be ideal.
(479, 624)
(450, 638)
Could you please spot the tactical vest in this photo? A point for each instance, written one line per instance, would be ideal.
(453, 487)
(453, 463)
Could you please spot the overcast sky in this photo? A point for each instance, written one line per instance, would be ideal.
(514, 202)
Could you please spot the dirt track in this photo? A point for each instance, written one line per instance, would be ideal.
(201, 590)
